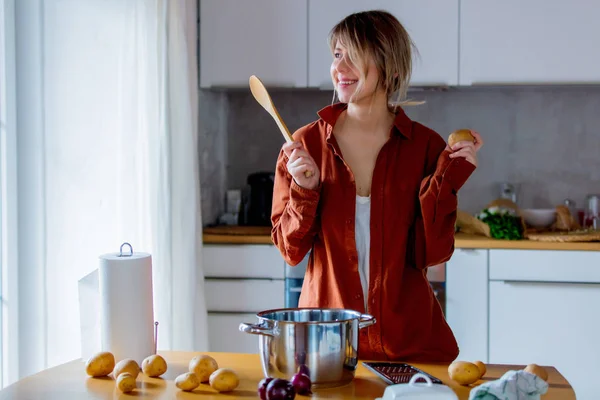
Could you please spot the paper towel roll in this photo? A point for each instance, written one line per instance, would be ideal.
(126, 306)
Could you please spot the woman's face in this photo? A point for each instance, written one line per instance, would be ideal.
(346, 76)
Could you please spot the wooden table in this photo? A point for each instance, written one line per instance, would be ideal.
(69, 381)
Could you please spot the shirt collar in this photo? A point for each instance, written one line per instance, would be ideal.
(331, 113)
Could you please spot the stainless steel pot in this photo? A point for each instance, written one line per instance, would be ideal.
(325, 340)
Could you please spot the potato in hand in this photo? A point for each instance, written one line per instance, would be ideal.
(460, 135)
(100, 364)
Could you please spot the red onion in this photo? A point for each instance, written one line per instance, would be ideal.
(280, 389)
(301, 383)
(262, 388)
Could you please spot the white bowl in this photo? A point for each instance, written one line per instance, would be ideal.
(539, 217)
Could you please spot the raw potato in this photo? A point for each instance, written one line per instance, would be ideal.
(154, 366)
(482, 368)
(537, 370)
(126, 382)
(187, 382)
(459, 136)
(100, 364)
(224, 380)
(203, 366)
(127, 365)
(463, 372)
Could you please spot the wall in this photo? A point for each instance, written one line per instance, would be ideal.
(546, 139)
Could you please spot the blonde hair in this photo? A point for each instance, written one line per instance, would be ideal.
(378, 35)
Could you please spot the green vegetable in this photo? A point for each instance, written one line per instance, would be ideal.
(503, 223)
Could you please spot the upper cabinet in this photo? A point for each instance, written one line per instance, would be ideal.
(266, 38)
(432, 25)
(529, 42)
(459, 42)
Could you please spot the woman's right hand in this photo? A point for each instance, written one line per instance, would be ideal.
(301, 166)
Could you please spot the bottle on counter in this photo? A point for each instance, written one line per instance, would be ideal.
(592, 212)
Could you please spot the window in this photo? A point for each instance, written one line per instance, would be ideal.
(8, 196)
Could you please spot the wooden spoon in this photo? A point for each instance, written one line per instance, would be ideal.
(262, 97)
(259, 91)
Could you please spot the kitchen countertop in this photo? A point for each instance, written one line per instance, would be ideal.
(262, 235)
(69, 381)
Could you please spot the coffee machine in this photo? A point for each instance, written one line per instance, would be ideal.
(257, 199)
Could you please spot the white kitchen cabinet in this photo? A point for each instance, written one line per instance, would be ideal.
(242, 261)
(529, 42)
(509, 306)
(240, 281)
(548, 323)
(244, 295)
(545, 265)
(267, 38)
(224, 334)
(467, 302)
(432, 25)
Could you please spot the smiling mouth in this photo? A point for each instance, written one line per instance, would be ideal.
(347, 83)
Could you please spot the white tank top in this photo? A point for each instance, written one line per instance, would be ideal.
(363, 241)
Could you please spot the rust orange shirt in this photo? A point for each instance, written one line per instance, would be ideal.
(413, 211)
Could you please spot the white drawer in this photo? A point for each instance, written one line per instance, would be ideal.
(244, 295)
(242, 261)
(545, 265)
(224, 333)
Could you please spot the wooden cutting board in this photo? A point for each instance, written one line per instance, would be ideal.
(238, 230)
(563, 237)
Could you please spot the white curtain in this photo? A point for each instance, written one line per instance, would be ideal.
(120, 160)
(157, 102)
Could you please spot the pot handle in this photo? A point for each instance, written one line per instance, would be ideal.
(256, 329)
(366, 320)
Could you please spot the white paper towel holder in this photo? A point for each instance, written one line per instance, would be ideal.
(155, 322)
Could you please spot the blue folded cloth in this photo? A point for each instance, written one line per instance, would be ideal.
(513, 385)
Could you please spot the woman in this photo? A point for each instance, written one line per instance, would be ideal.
(373, 196)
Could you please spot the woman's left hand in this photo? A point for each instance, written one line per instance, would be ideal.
(467, 149)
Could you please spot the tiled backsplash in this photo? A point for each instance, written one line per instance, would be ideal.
(546, 139)
(212, 153)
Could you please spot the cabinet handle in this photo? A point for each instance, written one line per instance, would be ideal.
(413, 87)
(494, 84)
(508, 84)
(545, 283)
(428, 87)
(469, 250)
(244, 86)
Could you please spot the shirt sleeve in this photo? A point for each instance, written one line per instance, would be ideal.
(433, 230)
(294, 214)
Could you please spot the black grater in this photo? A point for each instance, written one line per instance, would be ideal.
(394, 373)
